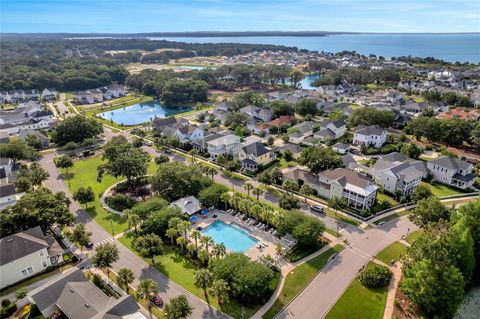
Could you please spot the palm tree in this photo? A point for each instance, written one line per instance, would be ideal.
(279, 250)
(183, 227)
(143, 290)
(203, 255)
(213, 172)
(207, 241)
(181, 241)
(289, 186)
(236, 199)
(125, 278)
(337, 203)
(257, 192)
(133, 221)
(171, 233)
(306, 190)
(203, 279)
(196, 235)
(225, 197)
(191, 249)
(193, 153)
(220, 289)
(220, 250)
(248, 187)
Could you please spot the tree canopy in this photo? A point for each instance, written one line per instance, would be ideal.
(318, 159)
(76, 129)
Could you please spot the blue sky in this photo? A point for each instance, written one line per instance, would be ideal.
(129, 16)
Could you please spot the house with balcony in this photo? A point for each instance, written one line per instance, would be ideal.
(372, 135)
(358, 190)
(253, 155)
(223, 145)
(331, 130)
(452, 171)
(397, 176)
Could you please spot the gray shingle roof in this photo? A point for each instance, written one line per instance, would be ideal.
(369, 130)
(395, 157)
(21, 244)
(257, 149)
(450, 162)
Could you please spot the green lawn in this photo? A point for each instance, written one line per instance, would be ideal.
(343, 218)
(440, 190)
(84, 173)
(392, 251)
(392, 216)
(414, 235)
(384, 197)
(298, 279)
(359, 302)
(182, 270)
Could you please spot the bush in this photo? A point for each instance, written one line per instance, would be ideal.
(375, 276)
(289, 202)
(6, 312)
(211, 195)
(6, 302)
(21, 292)
(120, 202)
(161, 159)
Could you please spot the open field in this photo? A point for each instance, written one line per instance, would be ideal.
(440, 190)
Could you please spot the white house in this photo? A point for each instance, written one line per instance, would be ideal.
(257, 112)
(300, 132)
(372, 135)
(189, 133)
(452, 171)
(223, 145)
(254, 154)
(397, 176)
(331, 130)
(24, 254)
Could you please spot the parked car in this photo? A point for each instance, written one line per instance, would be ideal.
(89, 245)
(317, 208)
(147, 143)
(168, 151)
(154, 298)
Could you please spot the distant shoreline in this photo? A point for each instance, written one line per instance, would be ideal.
(204, 34)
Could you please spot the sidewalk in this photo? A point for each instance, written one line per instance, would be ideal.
(392, 291)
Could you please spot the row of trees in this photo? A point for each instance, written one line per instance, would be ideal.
(445, 260)
(449, 98)
(452, 131)
(358, 76)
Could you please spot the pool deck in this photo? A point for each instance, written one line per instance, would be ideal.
(253, 252)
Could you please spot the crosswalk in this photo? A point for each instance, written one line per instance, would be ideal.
(105, 241)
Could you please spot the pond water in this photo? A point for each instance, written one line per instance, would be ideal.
(306, 83)
(470, 307)
(142, 112)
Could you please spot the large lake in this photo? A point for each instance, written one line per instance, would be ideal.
(450, 47)
(142, 112)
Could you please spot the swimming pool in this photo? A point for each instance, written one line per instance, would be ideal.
(234, 237)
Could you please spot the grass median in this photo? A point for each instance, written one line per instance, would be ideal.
(298, 279)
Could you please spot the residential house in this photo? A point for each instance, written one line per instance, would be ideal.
(158, 124)
(5, 97)
(459, 113)
(189, 133)
(32, 95)
(113, 91)
(44, 141)
(277, 123)
(294, 149)
(253, 155)
(49, 94)
(358, 191)
(188, 205)
(331, 130)
(372, 135)
(201, 144)
(89, 96)
(8, 194)
(452, 171)
(397, 176)
(26, 254)
(16, 96)
(223, 145)
(300, 132)
(262, 114)
(341, 148)
(71, 295)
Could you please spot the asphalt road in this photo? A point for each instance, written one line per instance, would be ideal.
(167, 288)
(328, 286)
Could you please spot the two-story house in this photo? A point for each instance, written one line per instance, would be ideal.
(256, 112)
(253, 155)
(189, 133)
(300, 131)
(49, 94)
(372, 135)
(358, 191)
(223, 145)
(23, 255)
(397, 176)
(452, 171)
(331, 130)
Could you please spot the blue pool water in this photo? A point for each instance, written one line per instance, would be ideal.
(142, 112)
(234, 237)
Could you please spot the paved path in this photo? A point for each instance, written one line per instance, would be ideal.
(392, 290)
(168, 288)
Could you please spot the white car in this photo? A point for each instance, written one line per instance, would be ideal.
(317, 208)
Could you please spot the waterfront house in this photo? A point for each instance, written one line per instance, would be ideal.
(452, 171)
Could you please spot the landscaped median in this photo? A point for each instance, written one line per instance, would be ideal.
(298, 279)
(84, 174)
(394, 251)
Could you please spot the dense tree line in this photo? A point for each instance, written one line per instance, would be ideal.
(371, 116)
(358, 76)
(450, 131)
(166, 56)
(449, 98)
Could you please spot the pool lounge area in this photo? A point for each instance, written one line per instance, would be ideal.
(233, 236)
